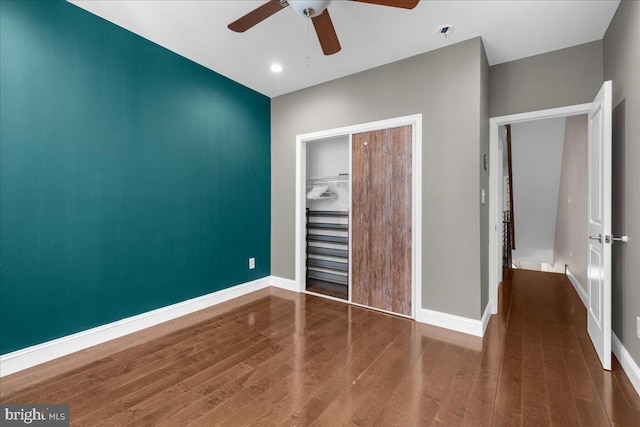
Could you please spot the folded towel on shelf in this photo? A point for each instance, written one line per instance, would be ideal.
(317, 192)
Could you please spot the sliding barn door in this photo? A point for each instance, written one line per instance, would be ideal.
(381, 219)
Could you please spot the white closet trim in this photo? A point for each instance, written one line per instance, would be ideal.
(413, 120)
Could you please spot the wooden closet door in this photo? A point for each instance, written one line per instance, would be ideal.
(381, 219)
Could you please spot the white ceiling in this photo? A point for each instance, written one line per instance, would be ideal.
(370, 35)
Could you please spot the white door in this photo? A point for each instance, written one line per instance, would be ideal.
(599, 224)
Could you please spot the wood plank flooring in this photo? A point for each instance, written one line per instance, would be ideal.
(277, 358)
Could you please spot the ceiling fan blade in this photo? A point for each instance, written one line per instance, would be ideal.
(257, 15)
(405, 4)
(326, 33)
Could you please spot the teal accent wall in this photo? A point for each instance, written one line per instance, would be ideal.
(130, 177)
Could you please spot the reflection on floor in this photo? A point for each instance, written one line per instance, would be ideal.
(327, 288)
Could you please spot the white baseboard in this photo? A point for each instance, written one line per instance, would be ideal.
(453, 322)
(629, 365)
(288, 284)
(576, 284)
(40, 353)
(486, 316)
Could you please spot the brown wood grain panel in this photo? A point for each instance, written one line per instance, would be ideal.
(381, 203)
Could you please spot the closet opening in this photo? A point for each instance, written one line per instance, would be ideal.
(328, 202)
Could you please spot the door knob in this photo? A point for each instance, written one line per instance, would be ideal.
(610, 239)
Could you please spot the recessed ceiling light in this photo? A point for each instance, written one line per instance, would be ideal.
(276, 68)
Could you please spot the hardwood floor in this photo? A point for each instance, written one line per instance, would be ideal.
(280, 358)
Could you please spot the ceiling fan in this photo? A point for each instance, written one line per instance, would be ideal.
(316, 10)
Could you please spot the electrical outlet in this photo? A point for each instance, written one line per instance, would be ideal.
(252, 263)
(638, 326)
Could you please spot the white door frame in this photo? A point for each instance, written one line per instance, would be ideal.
(495, 193)
(416, 188)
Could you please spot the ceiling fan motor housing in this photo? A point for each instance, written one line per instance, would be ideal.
(309, 8)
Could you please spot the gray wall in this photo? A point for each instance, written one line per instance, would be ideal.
(622, 65)
(570, 245)
(556, 79)
(536, 154)
(484, 180)
(446, 87)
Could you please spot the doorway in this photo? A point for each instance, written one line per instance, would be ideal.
(545, 156)
(496, 186)
(302, 141)
(598, 213)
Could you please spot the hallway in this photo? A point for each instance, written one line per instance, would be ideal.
(550, 373)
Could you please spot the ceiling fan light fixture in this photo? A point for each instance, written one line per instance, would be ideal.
(309, 8)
